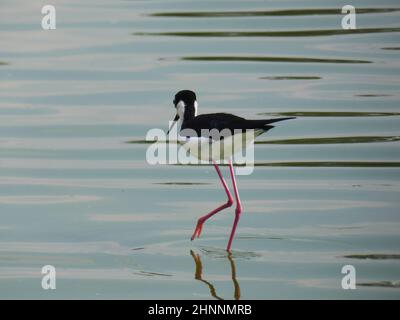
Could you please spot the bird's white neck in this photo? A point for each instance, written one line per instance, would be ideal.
(185, 112)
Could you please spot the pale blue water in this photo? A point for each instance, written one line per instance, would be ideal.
(76, 195)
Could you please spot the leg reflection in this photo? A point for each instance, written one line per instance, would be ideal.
(198, 275)
(234, 280)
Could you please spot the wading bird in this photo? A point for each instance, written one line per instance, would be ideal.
(198, 134)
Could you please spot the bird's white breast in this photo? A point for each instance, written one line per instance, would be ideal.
(207, 149)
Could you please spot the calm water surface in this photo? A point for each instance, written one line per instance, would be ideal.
(74, 194)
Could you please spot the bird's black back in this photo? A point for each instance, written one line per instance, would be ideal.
(225, 122)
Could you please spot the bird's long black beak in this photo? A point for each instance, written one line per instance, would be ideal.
(173, 123)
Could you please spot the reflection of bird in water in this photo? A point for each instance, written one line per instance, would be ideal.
(198, 275)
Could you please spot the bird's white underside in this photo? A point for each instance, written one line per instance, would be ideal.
(205, 149)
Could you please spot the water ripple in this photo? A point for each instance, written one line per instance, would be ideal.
(384, 284)
(291, 78)
(331, 114)
(261, 13)
(271, 59)
(286, 33)
(321, 140)
(377, 256)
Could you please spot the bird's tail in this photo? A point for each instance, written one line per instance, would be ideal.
(265, 124)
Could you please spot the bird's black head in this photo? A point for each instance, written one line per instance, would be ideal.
(188, 97)
(186, 106)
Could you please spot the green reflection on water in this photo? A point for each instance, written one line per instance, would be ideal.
(272, 59)
(292, 78)
(292, 12)
(325, 140)
(290, 33)
(331, 114)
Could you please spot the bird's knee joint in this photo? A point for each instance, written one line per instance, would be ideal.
(230, 202)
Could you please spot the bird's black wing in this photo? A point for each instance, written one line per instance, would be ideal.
(210, 121)
(225, 123)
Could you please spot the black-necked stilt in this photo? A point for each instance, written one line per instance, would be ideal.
(195, 131)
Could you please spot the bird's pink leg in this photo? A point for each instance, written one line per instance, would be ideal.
(228, 204)
(239, 208)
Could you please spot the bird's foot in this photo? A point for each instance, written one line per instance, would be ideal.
(197, 231)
